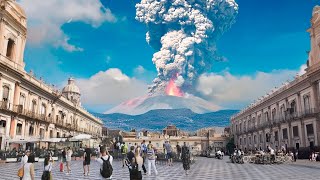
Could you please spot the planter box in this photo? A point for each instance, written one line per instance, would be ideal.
(55, 158)
(41, 159)
(11, 160)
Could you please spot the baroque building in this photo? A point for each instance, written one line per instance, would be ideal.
(29, 108)
(288, 117)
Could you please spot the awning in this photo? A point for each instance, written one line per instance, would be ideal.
(54, 140)
(81, 137)
(22, 141)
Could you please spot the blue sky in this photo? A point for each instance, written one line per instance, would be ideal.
(269, 39)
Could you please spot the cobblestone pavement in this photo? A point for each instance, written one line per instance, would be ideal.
(204, 168)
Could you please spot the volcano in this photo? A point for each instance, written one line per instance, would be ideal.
(144, 104)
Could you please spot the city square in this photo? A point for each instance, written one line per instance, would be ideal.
(226, 89)
(204, 168)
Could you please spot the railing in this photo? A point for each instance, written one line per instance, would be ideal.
(8, 62)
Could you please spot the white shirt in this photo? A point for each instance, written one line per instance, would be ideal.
(69, 154)
(26, 171)
(48, 167)
(99, 160)
(24, 160)
(272, 151)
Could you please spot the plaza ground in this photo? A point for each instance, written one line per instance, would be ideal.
(204, 168)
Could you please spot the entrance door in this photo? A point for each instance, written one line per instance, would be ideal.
(311, 145)
(0, 143)
(297, 146)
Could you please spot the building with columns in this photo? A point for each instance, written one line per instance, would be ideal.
(288, 117)
(29, 108)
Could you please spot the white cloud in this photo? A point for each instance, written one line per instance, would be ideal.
(236, 91)
(110, 87)
(302, 69)
(46, 17)
(139, 70)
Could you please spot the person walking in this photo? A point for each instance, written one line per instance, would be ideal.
(24, 160)
(28, 169)
(168, 149)
(130, 154)
(178, 147)
(185, 157)
(48, 162)
(105, 162)
(151, 159)
(135, 167)
(64, 159)
(124, 151)
(143, 152)
(68, 159)
(87, 158)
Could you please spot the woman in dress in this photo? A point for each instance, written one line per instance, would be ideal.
(185, 157)
(28, 169)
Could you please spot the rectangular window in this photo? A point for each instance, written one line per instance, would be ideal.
(309, 129)
(285, 133)
(41, 133)
(255, 139)
(51, 134)
(19, 129)
(260, 138)
(276, 137)
(295, 131)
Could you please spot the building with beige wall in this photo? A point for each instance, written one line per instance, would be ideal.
(29, 108)
(288, 116)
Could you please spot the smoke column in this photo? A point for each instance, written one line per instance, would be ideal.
(184, 34)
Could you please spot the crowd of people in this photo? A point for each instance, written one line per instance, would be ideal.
(132, 156)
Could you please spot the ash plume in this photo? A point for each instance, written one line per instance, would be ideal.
(184, 34)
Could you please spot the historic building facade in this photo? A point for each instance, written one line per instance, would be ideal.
(287, 117)
(29, 108)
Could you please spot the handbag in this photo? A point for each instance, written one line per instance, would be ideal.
(21, 172)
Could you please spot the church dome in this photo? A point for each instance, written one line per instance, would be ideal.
(71, 87)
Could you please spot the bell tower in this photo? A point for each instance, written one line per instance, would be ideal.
(13, 33)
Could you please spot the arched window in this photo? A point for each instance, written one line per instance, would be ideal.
(282, 112)
(22, 100)
(43, 109)
(10, 48)
(306, 103)
(273, 114)
(33, 106)
(5, 93)
(293, 108)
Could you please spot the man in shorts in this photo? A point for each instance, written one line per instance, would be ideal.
(86, 163)
(168, 148)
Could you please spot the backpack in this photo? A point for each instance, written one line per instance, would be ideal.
(45, 175)
(134, 171)
(107, 169)
(122, 149)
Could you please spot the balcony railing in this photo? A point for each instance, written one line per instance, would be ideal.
(288, 117)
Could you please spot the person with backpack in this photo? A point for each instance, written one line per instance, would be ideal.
(47, 175)
(135, 166)
(151, 159)
(124, 151)
(105, 162)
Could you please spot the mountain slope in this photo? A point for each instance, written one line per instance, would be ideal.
(145, 104)
(184, 119)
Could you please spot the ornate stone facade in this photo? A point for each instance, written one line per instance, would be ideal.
(289, 116)
(29, 108)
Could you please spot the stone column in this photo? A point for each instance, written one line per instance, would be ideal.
(315, 92)
(13, 123)
(303, 134)
(299, 107)
(289, 135)
(2, 51)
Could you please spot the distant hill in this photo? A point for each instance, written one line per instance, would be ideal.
(155, 120)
